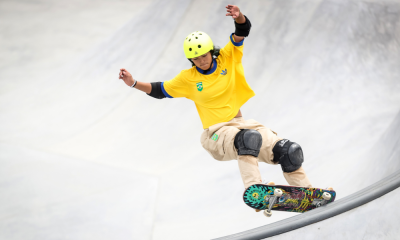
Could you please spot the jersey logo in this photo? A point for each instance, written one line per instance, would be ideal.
(199, 86)
(224, 72)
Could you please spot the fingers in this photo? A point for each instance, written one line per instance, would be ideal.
(234, 15)
(232, 7)
(122, 73)
(229, 12)
(232, 11)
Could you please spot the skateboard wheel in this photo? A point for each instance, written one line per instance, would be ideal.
(278, 192)
(271, 183)
(267, 214)
(326, 196)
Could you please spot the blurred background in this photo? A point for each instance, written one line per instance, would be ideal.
(83, 156)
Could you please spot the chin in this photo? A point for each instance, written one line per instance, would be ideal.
(205, 68)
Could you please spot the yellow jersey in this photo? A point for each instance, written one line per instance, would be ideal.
(218, 93)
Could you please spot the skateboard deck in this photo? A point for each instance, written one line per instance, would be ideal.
(290, 199)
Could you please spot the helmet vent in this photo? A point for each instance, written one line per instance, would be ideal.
(190, 49)
(199, 46)
(197, 38)
(200, 34)
(190, 39)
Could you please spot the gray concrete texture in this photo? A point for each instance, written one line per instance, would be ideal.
(374, 220)
(83, 156)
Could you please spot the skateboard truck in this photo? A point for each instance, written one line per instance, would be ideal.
(277, 194)
(326, 196)
(321, 202)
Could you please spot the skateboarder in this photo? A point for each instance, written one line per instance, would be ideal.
(217, 85)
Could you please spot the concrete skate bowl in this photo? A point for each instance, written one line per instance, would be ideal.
(85, 157)
(370, 213)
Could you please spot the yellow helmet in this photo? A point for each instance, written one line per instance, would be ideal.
(196, 44)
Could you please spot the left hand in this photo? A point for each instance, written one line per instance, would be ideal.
(233, 11)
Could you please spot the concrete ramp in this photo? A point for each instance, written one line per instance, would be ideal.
(82, 156)
(370, 213)
(346, 218)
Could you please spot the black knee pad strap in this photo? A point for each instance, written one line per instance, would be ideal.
(248, 142)
(288, 154)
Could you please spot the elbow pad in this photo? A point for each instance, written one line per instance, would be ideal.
(156, 91)
(243, 29)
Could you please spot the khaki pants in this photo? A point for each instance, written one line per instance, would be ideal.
(218, 141)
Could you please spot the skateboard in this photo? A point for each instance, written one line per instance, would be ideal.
(286, 198)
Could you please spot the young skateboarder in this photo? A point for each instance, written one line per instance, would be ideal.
(217, 85)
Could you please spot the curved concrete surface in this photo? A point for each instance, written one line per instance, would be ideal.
(308, 225)
(355, 226)
(85, 157)
(375, 220)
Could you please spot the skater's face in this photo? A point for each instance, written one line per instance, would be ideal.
(203, 61)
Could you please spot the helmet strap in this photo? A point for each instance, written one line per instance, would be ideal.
(212, 61)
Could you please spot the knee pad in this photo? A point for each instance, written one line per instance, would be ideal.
(288, 154)
(248, 142)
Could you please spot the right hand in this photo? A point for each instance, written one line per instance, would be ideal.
(233, 11)
(126, 76)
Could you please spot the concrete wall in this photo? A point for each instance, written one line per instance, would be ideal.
(85, 157)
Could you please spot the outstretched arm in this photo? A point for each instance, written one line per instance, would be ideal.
(128, 79)
(241, 22)
(153, 89)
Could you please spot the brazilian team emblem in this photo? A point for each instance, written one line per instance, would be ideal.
(199, 86)
(214, 137)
